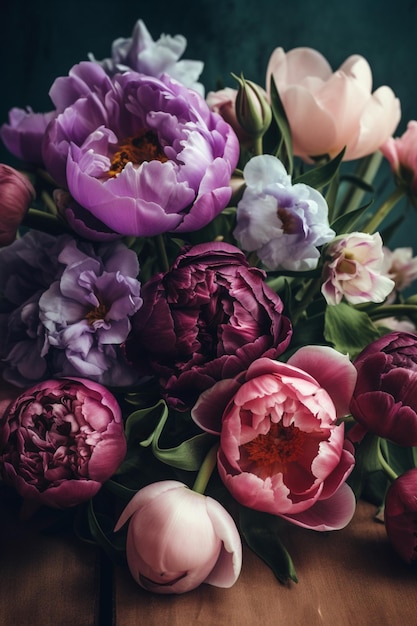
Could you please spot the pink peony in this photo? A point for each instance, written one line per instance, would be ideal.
(328, 111)
(401, 153)
(16, 195)
(354, 269)
(60, 440)
(282, 450)
(178, 539)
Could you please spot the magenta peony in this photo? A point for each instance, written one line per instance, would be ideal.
(401, 515)
(206, 319)
(282, 449)
(178, 539)
(328, 111)
(385, 397)
(60, 440)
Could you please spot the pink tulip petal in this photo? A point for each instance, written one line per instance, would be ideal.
(228, 566)
(145, 495)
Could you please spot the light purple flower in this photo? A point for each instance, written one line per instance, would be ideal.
(72, 317)
(354, 269)
(284, 223)
(152, 147)
(401, 266)
(24, 134)
(154, 58)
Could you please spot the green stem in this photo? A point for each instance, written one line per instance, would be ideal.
(394, 310)
(257, 146)
(366, 171)
(39, 220)
(383, 211)
(308, 297)
(162, 253)
(206, 470)
(384, 464)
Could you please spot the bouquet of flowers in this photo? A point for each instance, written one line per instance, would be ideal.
(204, 332)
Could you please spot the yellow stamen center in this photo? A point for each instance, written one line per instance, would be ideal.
(137, 149)
(273, 451)
(98, 313)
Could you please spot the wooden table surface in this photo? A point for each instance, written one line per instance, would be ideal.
(350, 577)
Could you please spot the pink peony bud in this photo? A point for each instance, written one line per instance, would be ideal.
(401, 515)
(354, 269)
(178, 539)
(16, 194)
(401, 154)
(60, 440)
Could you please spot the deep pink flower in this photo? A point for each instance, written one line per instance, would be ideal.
(385, 396)
(178, 539)
(282, 450)
(329, 110)
(401, 153)
(16, 194)
(61, 440)
(401, 515)
(206, 319)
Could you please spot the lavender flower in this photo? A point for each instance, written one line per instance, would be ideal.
(71, 319)
(154, 58)
(284, 223)
(151, 146)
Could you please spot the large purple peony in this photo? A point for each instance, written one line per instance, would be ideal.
(66, 309)
(208, 318)
(143, 155)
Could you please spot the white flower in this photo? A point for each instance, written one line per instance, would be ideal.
(284, 223)
(354, 269)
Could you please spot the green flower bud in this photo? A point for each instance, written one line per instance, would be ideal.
(253, 111)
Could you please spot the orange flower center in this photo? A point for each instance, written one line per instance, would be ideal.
(98, 313)
(289, 221)
(347, 264)
(275, 450)
(137, 149)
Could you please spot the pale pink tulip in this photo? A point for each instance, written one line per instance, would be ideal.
(282, 449)
(328, 111)
(401, 153)
(178, 539)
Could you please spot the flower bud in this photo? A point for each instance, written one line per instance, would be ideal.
(178, 539)
(401, 515)
(16, 194)
(252, 108)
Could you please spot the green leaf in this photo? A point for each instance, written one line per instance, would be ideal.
(347, 222)
(101, 527)
(284, 150)
(322, 175)
(348, 329)
(261, 533)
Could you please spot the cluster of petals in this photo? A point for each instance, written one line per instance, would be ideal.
(282, 449)
(178, 539)
(60, 440)
(154, 58)
(401, 266)
(205, 319)
(384, 401)
(149, 146)
(354, 269)
(69, 309)
(401, 152)
(328, 111)
(285, 224)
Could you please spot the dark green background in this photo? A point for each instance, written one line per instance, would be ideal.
(42, 39)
